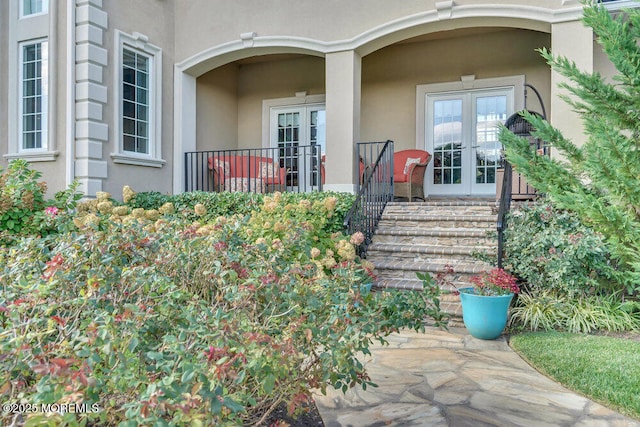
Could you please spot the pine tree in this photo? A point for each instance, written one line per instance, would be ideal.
(600, 181)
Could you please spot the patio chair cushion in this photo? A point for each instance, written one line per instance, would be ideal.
(409, 167)
(244, 185)
(410, 161)
(270, 172)
(227, 171)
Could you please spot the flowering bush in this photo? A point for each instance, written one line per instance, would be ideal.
(23, 207)
(160, 319)
(495, 282)
(552, 249)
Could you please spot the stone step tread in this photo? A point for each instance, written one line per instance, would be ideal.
(437, 224)
(459, 266)
(449, 216)
(440, 210)
(433, 232)
(427, 249)
(447, 202)
(415, 284)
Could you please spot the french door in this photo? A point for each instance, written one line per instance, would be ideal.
(299, 133)
(462, 134)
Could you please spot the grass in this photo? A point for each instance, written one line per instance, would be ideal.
(603, 368)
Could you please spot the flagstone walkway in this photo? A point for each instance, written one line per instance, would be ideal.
(442, 378)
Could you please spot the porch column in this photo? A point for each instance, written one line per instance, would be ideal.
(184, 127)
(574, 41)
(343, 75)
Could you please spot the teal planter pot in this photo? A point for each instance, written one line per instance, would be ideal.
(484, 316)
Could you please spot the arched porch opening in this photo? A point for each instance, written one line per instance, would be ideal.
(370, 84)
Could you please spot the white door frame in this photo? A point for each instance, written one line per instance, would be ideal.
(304, 174)
(467, 84)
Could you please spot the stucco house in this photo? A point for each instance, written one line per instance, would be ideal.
(115, 92)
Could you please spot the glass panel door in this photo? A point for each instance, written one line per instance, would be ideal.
(288, 139)
(490, 110)
(317, 140)
(448, 174)
(299, 133)
(462, 135)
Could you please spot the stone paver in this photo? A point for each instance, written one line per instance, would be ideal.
(448, 378)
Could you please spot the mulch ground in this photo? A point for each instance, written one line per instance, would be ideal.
(309, 418)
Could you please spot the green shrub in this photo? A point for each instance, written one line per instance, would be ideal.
(148, 200)
(598, 180)
(552, 249)
(162, 321)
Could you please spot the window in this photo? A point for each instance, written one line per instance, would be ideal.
(139, 93)
(33, 7)
(135, 102)
(33, 97)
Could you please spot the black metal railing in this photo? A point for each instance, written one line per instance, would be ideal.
(290, 168)
(514, 185)
(503, 209)
(374, 190)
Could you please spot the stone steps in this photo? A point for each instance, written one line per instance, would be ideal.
(400, 269)
(443, 237)
(428, 237)
(426, 253)
(438, 221)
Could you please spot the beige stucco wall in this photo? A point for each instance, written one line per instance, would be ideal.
(602, 64)
(55, 171)
(229, 100)
(217, 108)
(390, 76)
(200, 24)
(51, 26)
(269, 80)
(389, 80)
(154, 19)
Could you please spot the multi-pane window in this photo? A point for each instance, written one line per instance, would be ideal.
(34, 7)
(447, 141)
(138, 92)
(489, 112)
(135, 102)
(34, 59)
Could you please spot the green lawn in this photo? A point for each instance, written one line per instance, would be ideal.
(603, 368)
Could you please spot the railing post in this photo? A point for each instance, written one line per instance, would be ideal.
(374, 191)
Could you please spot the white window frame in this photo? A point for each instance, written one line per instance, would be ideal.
(44, 98)
(44, 11)
(299, 101)
(305, 126)
(139, 43)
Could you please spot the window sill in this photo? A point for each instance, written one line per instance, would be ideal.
(36, 156)
(137, 161)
